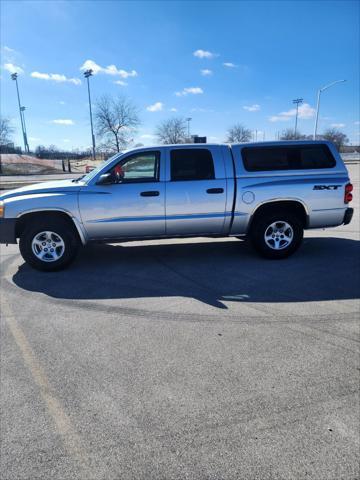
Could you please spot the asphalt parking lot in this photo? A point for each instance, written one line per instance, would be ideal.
(190, 359)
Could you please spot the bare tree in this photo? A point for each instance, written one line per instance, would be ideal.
(6, 131)
(116, 120)
(289, 134)
(172, 131)
(238, 134)
(336, 136)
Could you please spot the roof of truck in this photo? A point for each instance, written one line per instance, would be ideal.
(247, 144)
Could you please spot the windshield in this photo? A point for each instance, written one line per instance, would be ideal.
(86, 178)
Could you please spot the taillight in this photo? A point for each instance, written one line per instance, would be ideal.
(348, 195)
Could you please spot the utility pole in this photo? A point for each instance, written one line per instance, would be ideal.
(87, 75)
(318, 103)
(188, 126)
(297, 102)
(21, 112)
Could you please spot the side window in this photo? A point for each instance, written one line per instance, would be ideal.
(191, 164)
(290, 157)
(140, 167)
(318, 156)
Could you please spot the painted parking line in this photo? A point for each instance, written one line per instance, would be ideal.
(62, 421)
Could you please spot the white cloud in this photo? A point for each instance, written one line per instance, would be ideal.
(338, 125)
(203, 54)
(121, 82)
(8, 49)
(173, 109)
(147, 135)
(278, 118)
(109, 70)
(10, 67)
(201, 110)
(66, 140)
(55, 77)
(206, 72)
(192, 90)
(229, 65)
(252, 108)
(356, 123)
(156, 107)
(41, 76)
(62, 102)
(305, 112)
(63, 121)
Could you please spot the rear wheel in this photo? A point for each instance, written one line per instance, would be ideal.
(277, 235)
(49, 244)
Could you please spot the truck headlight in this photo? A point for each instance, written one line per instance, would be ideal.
(2, 208)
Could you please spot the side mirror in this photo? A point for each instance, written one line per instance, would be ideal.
(105, 179)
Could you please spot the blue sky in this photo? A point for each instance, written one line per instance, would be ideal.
(217, 62)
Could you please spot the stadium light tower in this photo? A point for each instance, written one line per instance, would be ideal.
(297, 102)
(25, 132)
(318, 103)
(87, 75)
(21, 112)
(188, 125)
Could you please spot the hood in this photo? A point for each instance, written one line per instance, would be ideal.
(57, 186)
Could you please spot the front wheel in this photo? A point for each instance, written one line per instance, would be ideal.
(49, 245)
(277, 235)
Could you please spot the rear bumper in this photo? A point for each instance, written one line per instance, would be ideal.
(7, 230)
(348, 215)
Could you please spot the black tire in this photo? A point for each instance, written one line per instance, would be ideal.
(63, 230)
(262, 224)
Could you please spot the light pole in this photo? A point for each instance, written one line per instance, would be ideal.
(25, 132)
(188, 122)
(87, 74)
(21, 109)
(297, 102)
(318, 103)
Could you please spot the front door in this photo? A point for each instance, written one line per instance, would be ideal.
(132, 205)
(195, 191)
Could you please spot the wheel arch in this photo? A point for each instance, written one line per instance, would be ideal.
(52, 213)
(292, 205)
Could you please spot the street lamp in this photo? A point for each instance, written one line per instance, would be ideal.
(318, 103)
(87, 74)
(188, 122)
(21, 112)
(297, 102)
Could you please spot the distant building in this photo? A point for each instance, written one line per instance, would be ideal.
(197, 139)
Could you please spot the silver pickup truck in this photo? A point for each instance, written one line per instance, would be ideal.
(269, 192)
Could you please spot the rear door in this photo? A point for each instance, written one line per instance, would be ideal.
(195, 190)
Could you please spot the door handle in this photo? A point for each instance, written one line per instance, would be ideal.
(150, 193)
(215, 190)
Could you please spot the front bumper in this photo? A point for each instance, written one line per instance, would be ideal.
(7, 230)
(348, 215)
